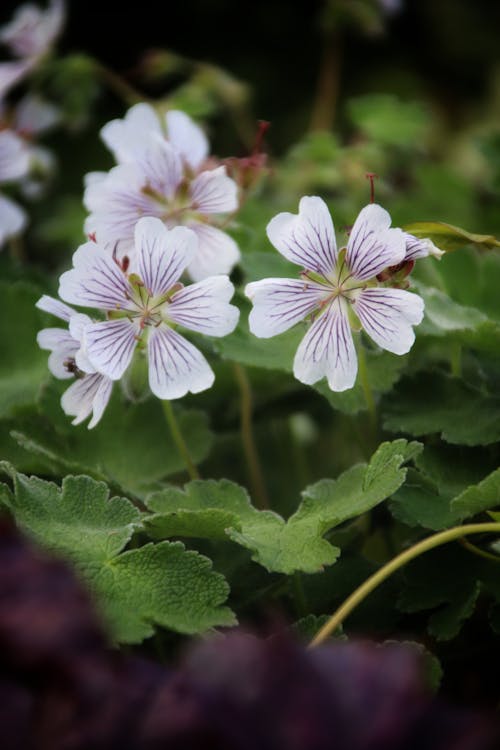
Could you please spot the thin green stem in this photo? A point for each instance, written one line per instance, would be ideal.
(436, 540)
(479, 552)
(119, 85)
(327, 90)
(179, 440)
(365, 383)
(258, 486)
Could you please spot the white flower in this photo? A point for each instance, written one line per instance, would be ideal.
(32, 31)
(417, 247)
(14, 165)
(91, 391)
(162, 178)
(334, 286)
(145, 305)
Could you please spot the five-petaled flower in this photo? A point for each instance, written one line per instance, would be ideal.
(336, 289)
(162, 172)
(144, 303)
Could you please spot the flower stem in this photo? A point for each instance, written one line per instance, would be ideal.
(387, 570)
(258, 486)
(479, 552)
(119, 85)
(179, 440)
(365, 384)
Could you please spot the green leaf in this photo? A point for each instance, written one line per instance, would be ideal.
(161, 584)
(307, 627)
(146, 455)
(135, 590)
(448, 237)
(389, 121)
(480, 497)
(418, 503)
(431, 402)
(213, 509)
(78, 520)
(23, 365)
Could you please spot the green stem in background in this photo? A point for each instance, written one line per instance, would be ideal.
(365, 384)
(119, 85)
(258, 486)
(479, 552)
(16, 249)
(436, 540)
(456, 360)
(179, 440)
(327, 89)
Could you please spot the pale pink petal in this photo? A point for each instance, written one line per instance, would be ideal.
(95, 280)
(127, 138)
(14, 156)
(176, 367)
(13, 72)
(417, 247)
(33, 115)
(213, 192)
(55, 307)
(12, 219)
(110, 345)
(306, 238)
(217, 252)
(187, 137)
(372, 245)
(204, 307)
(387, 315)
(162, 254)
(87, 395)
(161, 167)
(32, 30)
(77, 326)
(278, 304)
(328, 350)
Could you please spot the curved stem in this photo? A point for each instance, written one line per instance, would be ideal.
(365, 383)
(258, 485)
(179, 440)
(119, 85)
(479, 552)
(387, 570)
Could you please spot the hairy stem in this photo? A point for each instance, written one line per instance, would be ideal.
(436, 540)
(258, 486)
(179, 440)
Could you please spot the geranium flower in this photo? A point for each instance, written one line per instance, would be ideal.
(14, 165)
(417, 247)
(144, 304)
(91, 391)
(335, 290)
(162, 178)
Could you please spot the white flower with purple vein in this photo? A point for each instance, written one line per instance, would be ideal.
(145, 306)
(91, 391)
(335, 290)
(162, 178)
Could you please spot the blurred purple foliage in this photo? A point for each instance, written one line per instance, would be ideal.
(63, 688)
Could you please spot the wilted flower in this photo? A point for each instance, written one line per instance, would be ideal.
(336, 289)
(161, 173)
(91, 391)
(144, 302)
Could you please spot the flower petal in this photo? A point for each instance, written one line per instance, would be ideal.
(162, 255)
(187, 137)
(12, 219)
(306, 238)
(95, 280)
(126, 138)
(387, 315)
(278, 304)
(417, 247)
(55, 307)
(328, 349)
(34, 115)
(13, 72)
(77, 327)
(110, 346)
(217, 252)
(161, 166)
(14, 156)
(204, 307)
(62, 347)
(213, 192)
(86, 395)
(372, 245)
(175, 365)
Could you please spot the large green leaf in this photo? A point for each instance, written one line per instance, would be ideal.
(217, 509)
(160, 584)
(449, 237)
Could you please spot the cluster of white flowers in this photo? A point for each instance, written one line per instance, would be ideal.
(150, 224)
(29, 36)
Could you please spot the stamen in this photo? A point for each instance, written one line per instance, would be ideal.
(372, 176)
